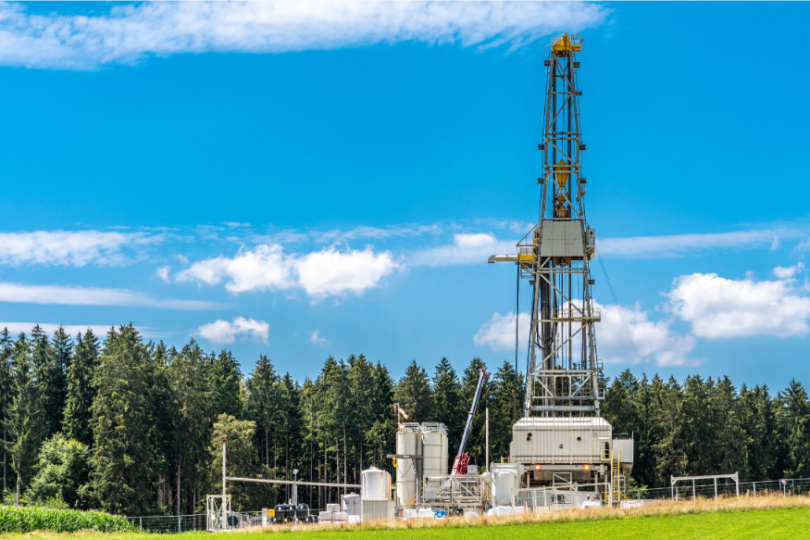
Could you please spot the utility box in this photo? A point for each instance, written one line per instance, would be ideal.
(560, 440)
(623, 449)
(562, 239)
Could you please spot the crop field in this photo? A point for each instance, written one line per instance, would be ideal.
(738, 519)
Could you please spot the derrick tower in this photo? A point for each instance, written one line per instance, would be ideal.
(562, 377)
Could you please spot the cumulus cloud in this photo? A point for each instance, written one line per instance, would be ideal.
(72, 248)
(265, 267)
(467, 248)
(499, 332)
(221, 331)
(93, 296)
(332, 272)
(329, 272)
(717, 307)
(316, 339)
(654, 340)
(163, 273)
(130, 33)
(782, 272)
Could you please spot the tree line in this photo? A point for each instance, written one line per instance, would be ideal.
(135, 427)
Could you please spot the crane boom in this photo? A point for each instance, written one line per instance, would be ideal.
(462, 458)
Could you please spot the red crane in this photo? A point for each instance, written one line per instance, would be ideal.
(463, 458)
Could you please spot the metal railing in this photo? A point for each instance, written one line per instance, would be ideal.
(191, 522)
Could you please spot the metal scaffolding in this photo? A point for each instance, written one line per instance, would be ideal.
(563, 369)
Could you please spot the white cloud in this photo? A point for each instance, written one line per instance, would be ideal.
(332, 272)
(93, 296)
(263, 268)
(72, 248)
(718, 307)
(499, 332)
(163, 273)
(466, 248)
(653, 340)
(677, 245)
(322, 273)
(315, 339)
(131, 33)
(221, 331)
(782, 272)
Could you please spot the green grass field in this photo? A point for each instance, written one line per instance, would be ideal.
(738, 525)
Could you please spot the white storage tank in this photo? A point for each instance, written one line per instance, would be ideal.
(375, 484)
(434, 449)
(409, 441)
(505, 478)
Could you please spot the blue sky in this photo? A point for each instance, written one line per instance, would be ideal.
(310, 182)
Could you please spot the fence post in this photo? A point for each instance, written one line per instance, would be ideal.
(179, 528)
(755, 489)
(140, 524)
(715, 489)
(792, 488)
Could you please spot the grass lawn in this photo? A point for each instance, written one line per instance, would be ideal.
(789, 520)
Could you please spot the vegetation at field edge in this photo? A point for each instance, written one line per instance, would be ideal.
(24, 519)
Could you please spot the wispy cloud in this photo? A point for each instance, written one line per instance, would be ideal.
(74, 248)
(131, 33)
(472, 248)
(678, 245)
(93, 296)
(316, 339)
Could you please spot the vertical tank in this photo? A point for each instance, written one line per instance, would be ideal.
(375, 484)
(434, 455)
(408, 442)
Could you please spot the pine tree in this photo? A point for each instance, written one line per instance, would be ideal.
(756, 415)
(226, 381)
(6, 385)
(80, 389)
(507, 392)
(49, 386)
(728, 430)
(670, 445)
(793, 427)
(123, 463)
(380, 437)
(25, 414)
(55, 386)
(191, 419)
(447, 399)
(360, 388)
(263, 405)
(414, 394)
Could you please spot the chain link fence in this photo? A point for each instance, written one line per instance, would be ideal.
(191, 522)
(726, 488)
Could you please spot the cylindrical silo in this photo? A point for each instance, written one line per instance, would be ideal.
(434, 458)
(408, 442)
(373, 484)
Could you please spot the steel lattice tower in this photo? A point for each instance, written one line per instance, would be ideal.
(563, 371)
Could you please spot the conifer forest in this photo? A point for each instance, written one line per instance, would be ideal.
(134, 427)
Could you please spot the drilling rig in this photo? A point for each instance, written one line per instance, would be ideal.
(561, 440)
